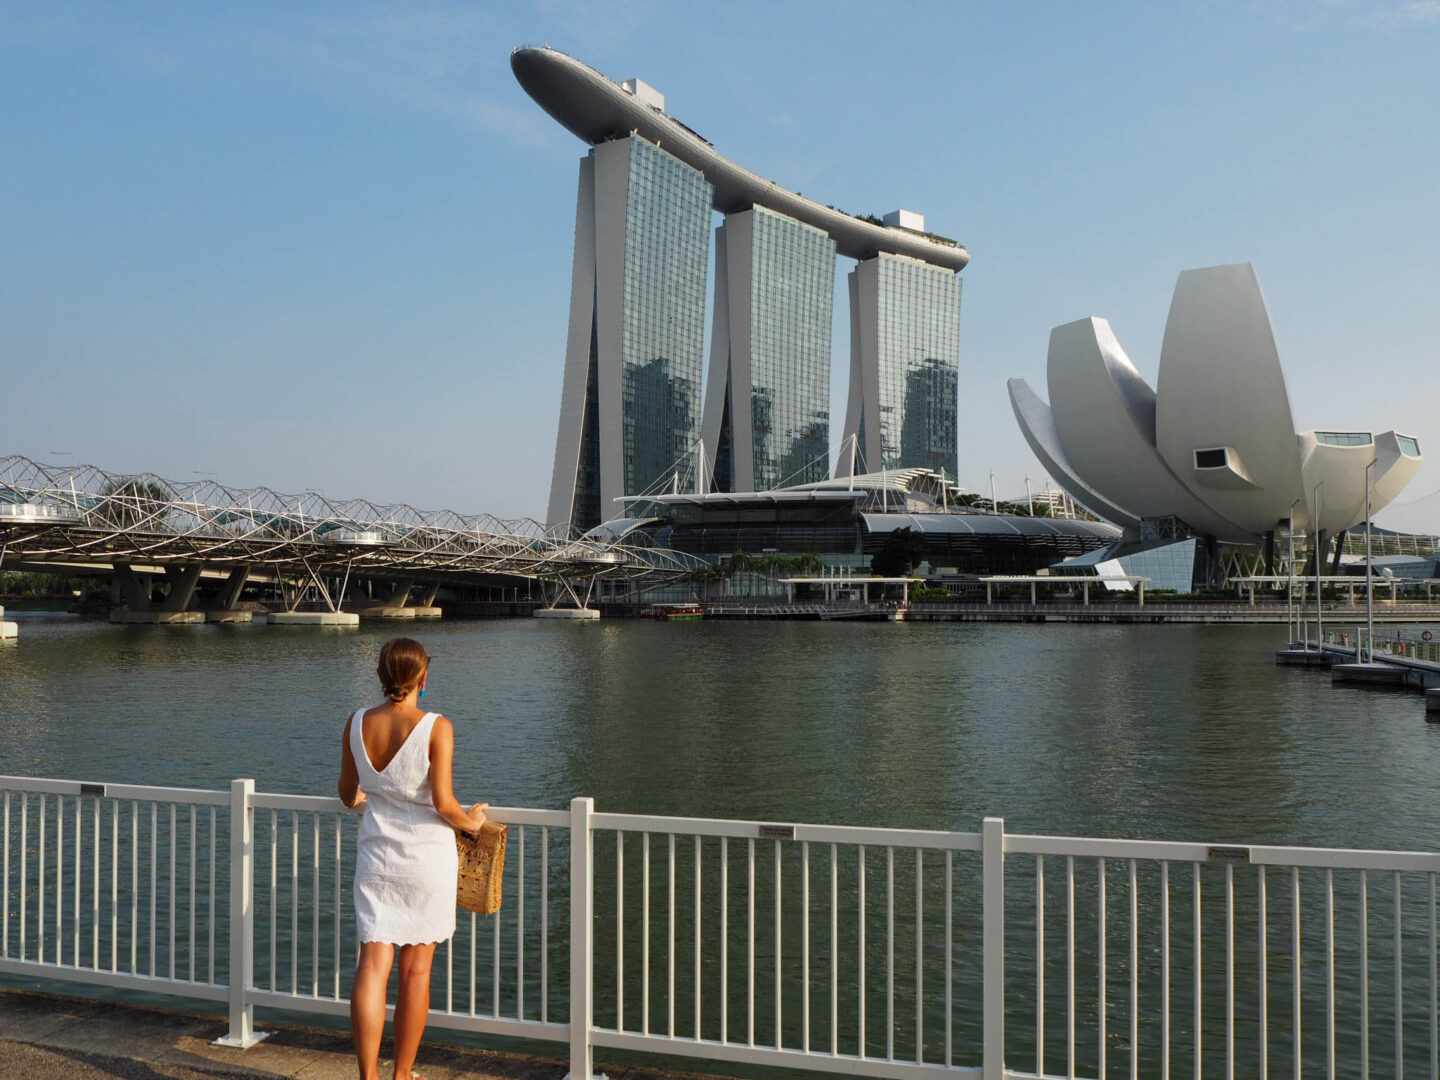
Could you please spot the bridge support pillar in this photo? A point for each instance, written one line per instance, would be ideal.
(229, 599)
(234, 585)
(129, 589)
(132, 592)
(396, 605)
(183, 580)
(399, 594)
(426, 609)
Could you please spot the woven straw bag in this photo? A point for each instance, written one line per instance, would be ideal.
(482, 868)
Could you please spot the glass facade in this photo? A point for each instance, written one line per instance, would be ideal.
(1178, 566)
(667, 247)
(1344, 438)
(1169, 566)
(792, 297)
(918, 324)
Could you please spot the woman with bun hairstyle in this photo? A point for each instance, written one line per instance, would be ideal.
(395, 763)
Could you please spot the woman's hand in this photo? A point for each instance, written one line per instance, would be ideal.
(476, 814)
(358, 806)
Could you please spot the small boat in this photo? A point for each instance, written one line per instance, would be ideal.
(679, 612)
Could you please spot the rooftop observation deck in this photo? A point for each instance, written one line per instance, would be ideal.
(597, 109)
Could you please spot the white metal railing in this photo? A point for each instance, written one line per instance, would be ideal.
(862, 951)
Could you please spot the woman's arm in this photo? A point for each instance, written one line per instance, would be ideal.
(350, 793)
(442, 787)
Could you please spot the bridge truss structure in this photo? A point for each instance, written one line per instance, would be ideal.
(83, 516)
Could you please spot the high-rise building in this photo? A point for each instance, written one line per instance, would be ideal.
(903, 404)
(630, 408)
(767, 402)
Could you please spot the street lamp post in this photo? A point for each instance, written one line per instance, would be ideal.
(1290, 612)
(1369, 575)
(1319, 560)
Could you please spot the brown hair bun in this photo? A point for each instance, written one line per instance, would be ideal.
(403, 663)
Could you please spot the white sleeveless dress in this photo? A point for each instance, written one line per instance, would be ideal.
(405, 867)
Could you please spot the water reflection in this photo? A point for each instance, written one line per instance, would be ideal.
(1169, 731)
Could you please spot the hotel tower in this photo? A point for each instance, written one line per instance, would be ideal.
(631, 417)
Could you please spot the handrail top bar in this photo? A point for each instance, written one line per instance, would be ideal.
(1015, 843)
(1259, 854)
(828, 834)
(329, 804)
(46, 786)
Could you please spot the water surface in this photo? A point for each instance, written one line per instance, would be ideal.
(1183, 732)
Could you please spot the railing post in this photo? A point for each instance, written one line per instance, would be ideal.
(242, 1032)
(582, 919)
(992, 854)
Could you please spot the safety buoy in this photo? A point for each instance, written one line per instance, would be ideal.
(1427, 635)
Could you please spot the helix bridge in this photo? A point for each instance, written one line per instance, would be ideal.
(80, 518)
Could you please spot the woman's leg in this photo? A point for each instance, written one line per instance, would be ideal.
(412, 1005)
(367, 1005)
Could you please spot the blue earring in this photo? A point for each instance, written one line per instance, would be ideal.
(422, 692)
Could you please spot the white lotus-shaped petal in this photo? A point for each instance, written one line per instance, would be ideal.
(1038, 425)
(1220, 385)
(1107, 425)
(1214, 444)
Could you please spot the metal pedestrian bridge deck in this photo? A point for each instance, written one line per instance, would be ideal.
(81, 516)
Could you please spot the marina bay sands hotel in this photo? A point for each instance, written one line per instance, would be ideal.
(631, 420)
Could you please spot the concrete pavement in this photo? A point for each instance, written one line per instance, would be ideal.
(74, 1038)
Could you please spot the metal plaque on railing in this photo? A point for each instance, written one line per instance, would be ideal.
(777, 832)
(1228, 854)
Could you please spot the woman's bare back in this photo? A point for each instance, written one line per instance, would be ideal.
(384, 730)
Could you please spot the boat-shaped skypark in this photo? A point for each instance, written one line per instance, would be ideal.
(598, 109)
(631, 420)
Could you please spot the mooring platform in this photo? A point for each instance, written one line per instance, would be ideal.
(1371, 674)
(313, 618)
(1294, 656)
(126, 617)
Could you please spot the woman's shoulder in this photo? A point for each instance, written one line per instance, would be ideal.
(441, 728)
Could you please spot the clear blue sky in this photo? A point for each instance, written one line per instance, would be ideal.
(328, 245)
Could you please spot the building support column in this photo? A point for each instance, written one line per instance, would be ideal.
(1339, 549)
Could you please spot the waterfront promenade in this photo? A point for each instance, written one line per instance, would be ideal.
(897, 953)
(73, 1038)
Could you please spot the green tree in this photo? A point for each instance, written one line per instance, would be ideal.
(129, 503)
(899, 553)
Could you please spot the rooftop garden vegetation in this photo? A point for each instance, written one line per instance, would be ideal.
(875, 219)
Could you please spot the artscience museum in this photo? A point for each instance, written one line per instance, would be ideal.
(1208, 460)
